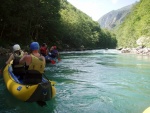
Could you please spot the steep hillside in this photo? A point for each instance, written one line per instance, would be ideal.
(55, 22)
(79, 30)
(136, 26)
(114, 18)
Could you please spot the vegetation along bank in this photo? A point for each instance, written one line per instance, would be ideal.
(57, 22)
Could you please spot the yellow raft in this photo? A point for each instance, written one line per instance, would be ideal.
(42, 91)
(147, 110)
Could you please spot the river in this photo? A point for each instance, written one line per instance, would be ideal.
(94, 81)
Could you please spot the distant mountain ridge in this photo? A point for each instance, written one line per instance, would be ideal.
(115, 17)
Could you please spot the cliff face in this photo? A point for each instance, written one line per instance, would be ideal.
(114, 18)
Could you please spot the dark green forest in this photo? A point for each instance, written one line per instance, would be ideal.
(135, 26)
(55, 22)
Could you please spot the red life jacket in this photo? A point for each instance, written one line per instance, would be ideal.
(43, 51)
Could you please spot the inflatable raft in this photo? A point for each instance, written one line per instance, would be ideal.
(147, 110)
(42, 91)
(51, 60)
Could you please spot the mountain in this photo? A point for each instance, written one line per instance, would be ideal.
(114, 18)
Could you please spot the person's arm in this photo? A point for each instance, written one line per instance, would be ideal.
(22, 60)
(25, 53)
(51, 49)
(44, 60)
(57, 54)
(47, 51)
(10, 59)
(25, 59)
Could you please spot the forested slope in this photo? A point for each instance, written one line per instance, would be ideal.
(55, 22)
(136, 25)
(26, 20)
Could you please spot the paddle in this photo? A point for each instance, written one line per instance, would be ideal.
(52, 61)
(41, 103)
(59, 59)
(1, 70)
(52, 82)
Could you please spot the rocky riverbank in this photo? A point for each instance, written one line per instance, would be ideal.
(138, 50)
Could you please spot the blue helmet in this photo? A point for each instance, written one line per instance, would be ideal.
(34, 46)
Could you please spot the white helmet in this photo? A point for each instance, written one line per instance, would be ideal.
(16, 47)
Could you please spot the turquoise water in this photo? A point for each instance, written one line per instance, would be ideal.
(95, 81)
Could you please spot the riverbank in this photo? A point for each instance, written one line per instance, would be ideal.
(138, 50)
(8, 51)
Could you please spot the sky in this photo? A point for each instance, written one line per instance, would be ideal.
(97, 8)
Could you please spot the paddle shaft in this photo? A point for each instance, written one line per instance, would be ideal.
(49, 80)
(46, 77)
(2, 69)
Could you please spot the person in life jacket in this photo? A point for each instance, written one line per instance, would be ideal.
(43, 49)
(16, 56)
(17, 53)
(53, 52)
(35, 63)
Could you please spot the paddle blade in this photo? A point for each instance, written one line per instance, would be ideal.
(59, 59)
(53, 62)
(52, 83)
(41, 103)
